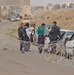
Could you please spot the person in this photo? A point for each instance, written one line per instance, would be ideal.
(54, 34)
(26, 25)
(33, 32)
(41, 37)
(26, 38)
(20, 34)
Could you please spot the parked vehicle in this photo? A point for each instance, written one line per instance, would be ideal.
(48, 28)
(70, 46)
(65, 34)
(13, 19)
(29, 31)
(18, 19)
(26, 20)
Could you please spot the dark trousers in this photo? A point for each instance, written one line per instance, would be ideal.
(21, 45)
(41, 42)
(26, 46)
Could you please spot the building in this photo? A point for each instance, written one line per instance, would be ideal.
(70, 4)
(4, 11)
(26, 9)
(24, 4)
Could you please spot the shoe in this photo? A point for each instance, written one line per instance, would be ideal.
(21, 49)
(22, 52)
(26, 50)
(40, 51)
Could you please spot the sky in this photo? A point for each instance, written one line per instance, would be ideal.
(45, 2)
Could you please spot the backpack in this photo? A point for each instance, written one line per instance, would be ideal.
(25, 36)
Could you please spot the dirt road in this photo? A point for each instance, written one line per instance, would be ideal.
(13, 62)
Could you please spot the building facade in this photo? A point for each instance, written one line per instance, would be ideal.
(24, 4)
(70, 4)
(14, 2)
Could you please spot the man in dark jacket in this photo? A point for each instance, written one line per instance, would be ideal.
(54, 34)
(20, 34)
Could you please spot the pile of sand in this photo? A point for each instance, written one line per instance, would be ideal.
(65, 18)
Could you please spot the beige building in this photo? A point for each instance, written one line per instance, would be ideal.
(26, 9)
(4, 10)
(25, 4)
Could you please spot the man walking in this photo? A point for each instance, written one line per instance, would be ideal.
(41, 37)
(54, 34)
(20, 34)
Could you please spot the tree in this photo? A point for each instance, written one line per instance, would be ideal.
(64, 5)
(57, 6)
(49, 4)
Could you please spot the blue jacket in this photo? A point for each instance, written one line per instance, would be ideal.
(25, 36)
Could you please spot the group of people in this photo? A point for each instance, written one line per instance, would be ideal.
(54, 34)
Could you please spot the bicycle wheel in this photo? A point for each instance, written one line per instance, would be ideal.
(47, 57)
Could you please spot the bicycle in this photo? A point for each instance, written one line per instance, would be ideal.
(54, 51)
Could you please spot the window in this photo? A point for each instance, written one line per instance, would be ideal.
(70, 33)
(62, 34)
(72, 38)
